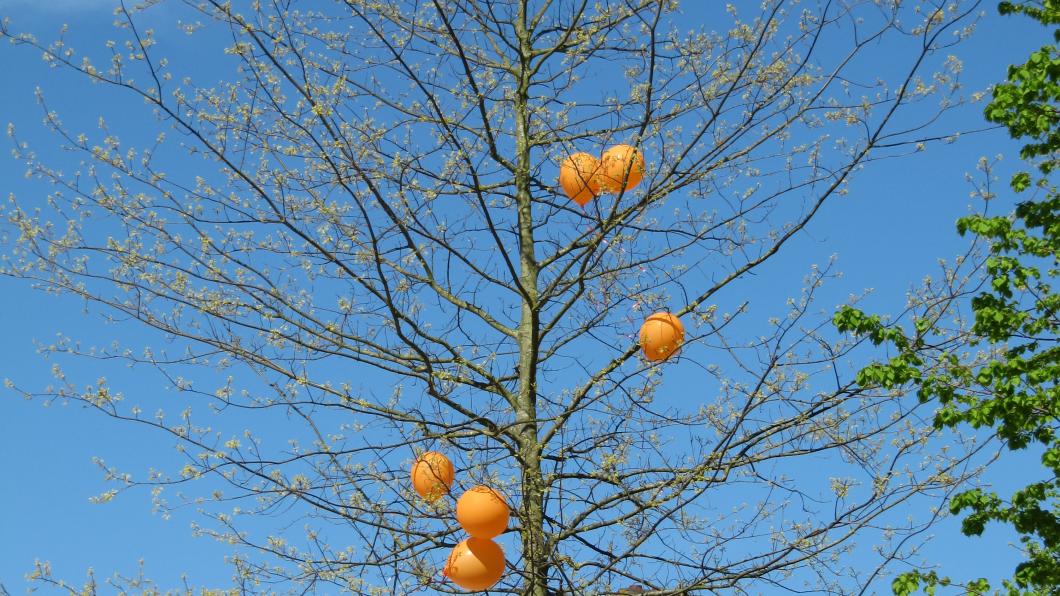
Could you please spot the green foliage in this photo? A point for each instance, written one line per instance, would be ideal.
(909, 583)
(1017, 320)
(1025, 102)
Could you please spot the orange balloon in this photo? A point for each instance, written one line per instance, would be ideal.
(578, 177)
(475, 564)
(661, 335)
(432, 475)
(621, 168)
(483, 512)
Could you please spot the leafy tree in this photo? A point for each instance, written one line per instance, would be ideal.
(1002, 373)
(346, 233)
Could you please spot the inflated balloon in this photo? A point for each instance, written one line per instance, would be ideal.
(578, 177)
(621, 168)
(482, 512)
(432, 475)
(661, 335)
(475, 564)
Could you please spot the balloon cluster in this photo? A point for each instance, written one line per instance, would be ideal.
(583, 177)
(620, 168)
(476, 563)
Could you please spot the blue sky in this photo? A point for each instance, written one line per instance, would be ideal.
(48, 450)
(56, 8)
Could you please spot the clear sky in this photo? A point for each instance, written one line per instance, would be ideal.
(48, 452)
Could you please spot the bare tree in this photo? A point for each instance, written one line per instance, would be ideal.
(368, 199)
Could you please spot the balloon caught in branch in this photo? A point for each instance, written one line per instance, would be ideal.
(621, 168)
(578, 177)
(475, 564)
(432, 475)
(661, 335)
(482, 512)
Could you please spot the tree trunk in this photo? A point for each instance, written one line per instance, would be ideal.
(533, 540)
